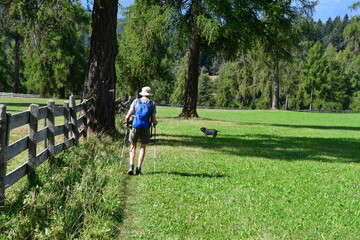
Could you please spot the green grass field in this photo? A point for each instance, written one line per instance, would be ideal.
(15, 105)
(269, 175)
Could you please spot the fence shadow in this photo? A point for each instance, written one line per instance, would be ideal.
(272, 147)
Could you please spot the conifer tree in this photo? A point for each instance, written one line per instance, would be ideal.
(101, 76)
(142, 43)
(55, 53)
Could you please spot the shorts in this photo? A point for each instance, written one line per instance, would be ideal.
(144, 135)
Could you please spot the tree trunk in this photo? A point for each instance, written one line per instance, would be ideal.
(275, 102)
(61, 93)
(191, 91)
(101, 76)
(16, 75)
(311, 98)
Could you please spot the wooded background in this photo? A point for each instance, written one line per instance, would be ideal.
(254, 55)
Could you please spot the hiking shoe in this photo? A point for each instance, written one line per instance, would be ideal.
(138, 170)
(131, 170)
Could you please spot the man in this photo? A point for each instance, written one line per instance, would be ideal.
(145, 114)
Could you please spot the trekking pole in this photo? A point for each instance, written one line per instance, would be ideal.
(123, 145)
(154, 149)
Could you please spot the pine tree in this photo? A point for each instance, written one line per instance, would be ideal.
(206, 89)
(101, 76)
(55, 52)
(311, 74)
(142, 43)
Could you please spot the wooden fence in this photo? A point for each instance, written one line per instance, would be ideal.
(19, 95)
(73, 129)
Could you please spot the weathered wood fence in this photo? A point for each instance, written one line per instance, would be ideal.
(19, 95)
(73, 129)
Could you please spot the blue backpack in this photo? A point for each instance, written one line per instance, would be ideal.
(142, 115)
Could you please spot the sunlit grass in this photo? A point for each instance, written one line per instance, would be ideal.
(269, 175)
(17, 105)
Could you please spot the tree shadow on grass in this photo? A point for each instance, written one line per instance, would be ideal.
(201, 175)
(318, 127)
(307, 126)
(272, 147)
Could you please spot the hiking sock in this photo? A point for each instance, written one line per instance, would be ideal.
(131, 169)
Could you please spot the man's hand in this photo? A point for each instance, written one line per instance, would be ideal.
(154, 124)
(127, 123)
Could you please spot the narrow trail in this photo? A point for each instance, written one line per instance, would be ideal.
(132, 184)
(128, 203)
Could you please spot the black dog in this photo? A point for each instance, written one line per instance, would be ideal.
(209, 132)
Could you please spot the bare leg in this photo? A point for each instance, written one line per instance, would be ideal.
(132, 153)
(141, 154)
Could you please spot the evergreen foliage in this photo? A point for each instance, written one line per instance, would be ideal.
(56, 56)
(48, 45)
(142, 47)
(315, 65)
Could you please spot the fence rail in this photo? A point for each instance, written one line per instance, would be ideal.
(73, 126)
(19, 95)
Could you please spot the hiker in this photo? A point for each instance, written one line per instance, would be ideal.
(145, 113)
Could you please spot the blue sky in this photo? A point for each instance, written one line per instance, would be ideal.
(324, 10)
(333, 8)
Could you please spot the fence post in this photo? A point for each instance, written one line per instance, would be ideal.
(33, 129)
(4, 141)
(66, 124)
(85, 103)
(51, 127)
(45, 141)
(73, 119)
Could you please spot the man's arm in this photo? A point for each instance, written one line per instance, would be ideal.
(127, 118)
(130, 112)
(153, 119)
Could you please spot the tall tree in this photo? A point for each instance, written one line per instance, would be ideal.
(228, 26)
(5, 68)
(311, 74)
(101, 75)
(55, 54)
(178, 93)
(191, 90)
(351, 55)
(206, 89)
(12, 24)
(142, 41)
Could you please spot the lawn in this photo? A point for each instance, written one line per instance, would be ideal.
(16, 105)
(269, 175)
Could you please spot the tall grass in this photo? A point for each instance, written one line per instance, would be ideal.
(78, 195)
